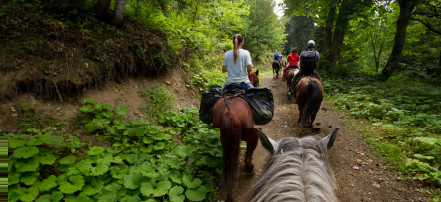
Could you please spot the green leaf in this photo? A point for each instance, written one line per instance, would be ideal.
(119, 171)
(423, 157)
(93, 188)
(14, 143)
(44, 198)
(13, 178)
(86, 108)
(68, 160)
(184, 151)
(57, 196)
(161, 188)
(190, 182)
(28, 180)
(198, 194)
(175, 176)
(47, 159)
(159, 146)
(25, 152)
(133, 180)
(75, 183)
(176, 194)
(95, 150)
(89, 101)
(35, 141)
(122, 111)
(48, 184)
(428, 140)
(51, 139)
(26, 165)
(29, 194)
(108, 114)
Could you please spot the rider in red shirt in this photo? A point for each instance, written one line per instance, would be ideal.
(292, 59)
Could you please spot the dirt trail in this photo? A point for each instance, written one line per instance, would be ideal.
(372, 181)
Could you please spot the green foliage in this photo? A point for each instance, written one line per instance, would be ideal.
(159, 99)
(408, 113)
(207, 78)
(177, 160)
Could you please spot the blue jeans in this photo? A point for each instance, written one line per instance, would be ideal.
(245, 86)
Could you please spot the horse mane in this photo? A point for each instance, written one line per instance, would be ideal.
(300, 174)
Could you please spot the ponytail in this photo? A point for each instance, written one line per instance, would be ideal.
(238, 39)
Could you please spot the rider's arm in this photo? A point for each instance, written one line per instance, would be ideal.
(224, 69)
(249, 68)
(299, 63)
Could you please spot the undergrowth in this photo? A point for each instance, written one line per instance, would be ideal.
(408, 116)
(177, 159)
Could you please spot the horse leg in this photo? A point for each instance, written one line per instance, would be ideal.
(251, 139)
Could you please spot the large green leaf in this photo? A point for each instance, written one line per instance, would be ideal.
(75, 183)
(48, 184)
(25, 165)
(159, 189)
(121, 110)
(51, 139)
(86, 108)
(184, 151)
(68, 160)
(119, 171)
(95, 150)
(191, 182)
(15, 143)
(47, 159)
(28, 179)
(176, 194)
(25, 152)
(133, 180)
(198, 194)
(28, 194)
(428, 140)
(13, 178)
(94, 187)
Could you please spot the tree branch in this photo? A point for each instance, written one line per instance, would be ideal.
(427, 25)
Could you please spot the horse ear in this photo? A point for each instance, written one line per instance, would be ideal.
(267, 142)
(330, 139)
(257, 72)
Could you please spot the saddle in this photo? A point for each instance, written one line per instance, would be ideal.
(231, 91)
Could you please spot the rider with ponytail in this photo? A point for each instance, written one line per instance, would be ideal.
(237, 63)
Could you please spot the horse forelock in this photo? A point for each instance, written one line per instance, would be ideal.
(300, 174)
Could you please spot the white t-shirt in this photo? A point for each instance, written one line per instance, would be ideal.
(237, 73)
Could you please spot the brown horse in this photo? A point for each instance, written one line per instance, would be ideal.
(254, 79)
(276, 68)
(309, 96)
(236, 123)
(291, 72)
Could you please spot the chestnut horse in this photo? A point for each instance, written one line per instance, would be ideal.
(254, 79)
(309, 96)
(233, 115)
(291, 72)
(276, 68)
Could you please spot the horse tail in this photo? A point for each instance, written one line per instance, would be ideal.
(230, 139)
(314, 100)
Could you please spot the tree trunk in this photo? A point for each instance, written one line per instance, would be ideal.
(118, 15)
(406, 8)
(328, 28)
(101, 7)
(346, 10)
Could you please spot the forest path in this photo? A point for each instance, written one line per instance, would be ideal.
(360, 176)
